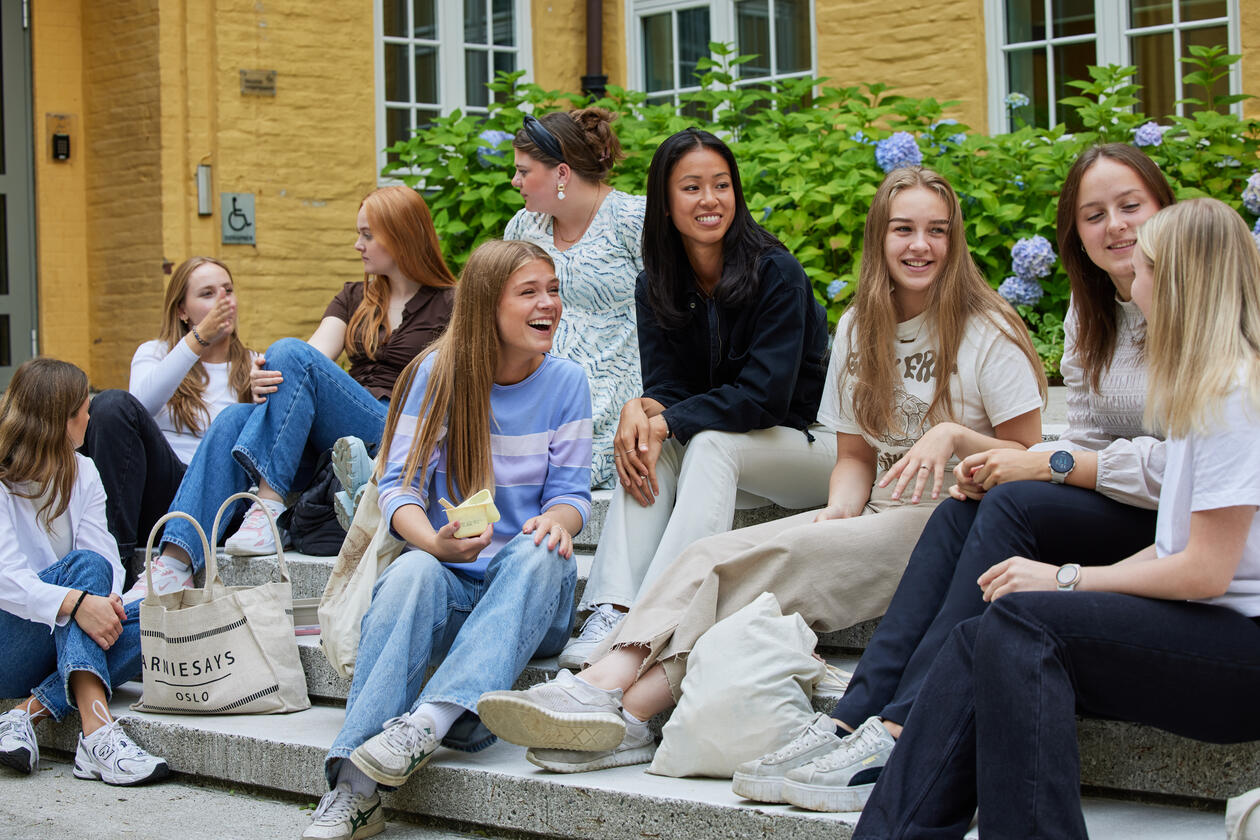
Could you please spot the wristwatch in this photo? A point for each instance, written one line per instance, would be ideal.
(1068, 575)
(1061, 463)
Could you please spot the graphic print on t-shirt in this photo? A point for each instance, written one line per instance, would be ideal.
(910, 413)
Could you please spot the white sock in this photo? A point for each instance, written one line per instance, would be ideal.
(274, 506)
(631, 720)
(173, 563)
(443, 716)
(610, 692)
(354, 778)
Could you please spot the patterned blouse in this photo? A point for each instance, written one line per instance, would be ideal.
(598, 331)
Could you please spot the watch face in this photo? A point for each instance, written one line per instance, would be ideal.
(1062, 462)
(1064, 575)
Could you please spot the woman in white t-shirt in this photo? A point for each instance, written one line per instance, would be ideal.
(142, 439)
(1168, 637)
(924, 305)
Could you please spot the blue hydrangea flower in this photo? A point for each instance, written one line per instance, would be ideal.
(1018, 181)
(1021, 291)
(1255, 231)
(1033, 257)
(957, 139)
(1228, 161)
(1251, 194)
(1148, 134)
(834, 288)
(1015, 100)
(898, 151)
(488, 154)
(860, 137)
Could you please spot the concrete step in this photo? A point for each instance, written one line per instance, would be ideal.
(499, 791)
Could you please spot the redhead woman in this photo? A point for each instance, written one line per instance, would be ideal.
(303, 401)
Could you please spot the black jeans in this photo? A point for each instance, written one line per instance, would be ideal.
(997, 723)
(1035, 519)
(139, 469)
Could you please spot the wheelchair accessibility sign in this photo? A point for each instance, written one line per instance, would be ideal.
(236, 216)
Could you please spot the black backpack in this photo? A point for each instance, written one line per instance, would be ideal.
(311, 522)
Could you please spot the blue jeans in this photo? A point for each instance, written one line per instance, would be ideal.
(34, 661)
(487, 630)
(1048, 522)
(997, 722)
(277, 441)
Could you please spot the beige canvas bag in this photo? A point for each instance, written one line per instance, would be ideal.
(220, 649)
(368, 548)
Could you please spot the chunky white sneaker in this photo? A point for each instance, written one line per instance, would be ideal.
(762, 778)
(844, 778)
(18, 747)
(109, 755)
(561, 714)
(637, 747)
(344, 506)
(351, 464)
(254, 538)
(165, 579)
(402, 748)
(602, 621)
(345, 815)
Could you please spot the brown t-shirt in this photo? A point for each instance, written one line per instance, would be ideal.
(424, 318)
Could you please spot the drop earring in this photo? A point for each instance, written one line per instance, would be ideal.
(560, 191)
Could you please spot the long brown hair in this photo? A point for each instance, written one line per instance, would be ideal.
(188, 404)
(958, 293)
(1093, 293)
(35, 447)
(457, 397)
(400, 221)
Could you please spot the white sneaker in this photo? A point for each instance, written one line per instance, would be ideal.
(637, 747)
(166, 579)
(402, 748)
(762, 778)
(18, 747)
(561, 714)
(345, 815)
(844, 778)
(597, 626)
(351, 464)
(109, 755)
(254, 538)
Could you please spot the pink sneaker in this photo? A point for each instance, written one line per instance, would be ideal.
(254, 537)
(165, 579)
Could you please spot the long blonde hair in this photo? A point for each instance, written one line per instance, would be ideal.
(1203, 331)
(35, 446)
(958, 294)
(188, 404)
(457, 397)
(400, 221)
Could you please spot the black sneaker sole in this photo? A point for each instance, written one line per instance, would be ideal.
(19, 760)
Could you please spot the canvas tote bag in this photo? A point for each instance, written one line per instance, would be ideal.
(221, 649)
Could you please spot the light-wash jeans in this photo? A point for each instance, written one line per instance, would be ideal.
(702, 483)
(278, 440)
(34, 661)
(487, 630)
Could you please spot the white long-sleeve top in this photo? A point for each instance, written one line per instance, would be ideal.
(25, 549)
(155, 374)
(1109, 421)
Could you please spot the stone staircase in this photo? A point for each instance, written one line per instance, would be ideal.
(498, 790)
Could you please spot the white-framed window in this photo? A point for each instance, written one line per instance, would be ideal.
(668, 37)
(433, 56)
(1035, 47)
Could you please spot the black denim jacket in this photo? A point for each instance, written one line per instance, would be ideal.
(738, 369)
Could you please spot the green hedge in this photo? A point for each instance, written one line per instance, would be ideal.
(807, 157)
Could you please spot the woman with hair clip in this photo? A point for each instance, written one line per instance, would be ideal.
(925, 308)
(142, 439)
(731, 344)
(67, 638)
(594, 235)
(1096, 508)
(1169, 636)
(487, 407)
(303, 401)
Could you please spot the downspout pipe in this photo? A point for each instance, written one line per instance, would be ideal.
(595, 82)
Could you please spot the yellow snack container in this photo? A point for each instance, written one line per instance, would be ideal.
(474, 514)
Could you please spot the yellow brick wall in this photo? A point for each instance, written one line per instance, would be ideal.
(559, 43)
(1249, 32)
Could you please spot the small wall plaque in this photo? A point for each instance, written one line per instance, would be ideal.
(258, 82)
(236, 216)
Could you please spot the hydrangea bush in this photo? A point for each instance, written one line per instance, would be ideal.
(812, 155)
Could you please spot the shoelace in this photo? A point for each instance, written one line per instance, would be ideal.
(120, 745)
(403, 735)
(862, 741)
(601, 621)
(336, 805)
(805, 738)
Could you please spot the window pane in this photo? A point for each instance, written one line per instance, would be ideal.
(475, 21)
(426, 74)
(1203, 10)
(791, 35)
(1026, 74)
(1073, 17)
(504, 62)
(425, 118)
(1150, 12)
(476, 77)
(426, 20)
(1071, 61)
(752, 25)
(4, 245)
(397, 127)
(397, 79)
(6, 343)
(1212, 36)
(1153, 55)
(1025, 21)
(658, 53)
(394, 17)
(693, 43)
(504, 26)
